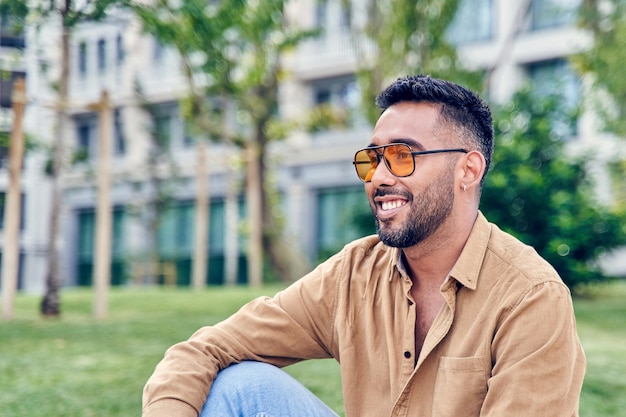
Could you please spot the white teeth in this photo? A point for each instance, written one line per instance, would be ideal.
(390, 205)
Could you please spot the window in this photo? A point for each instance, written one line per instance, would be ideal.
(555, 78)
(346, 14)
(176, 241)
(119, 48)
(217, 229)
(321, 9)
(86, 236)
(176, 231)
(158, 51)
(3, 198)
(168, 127)
(102, 55)
(217, 244)
(162, 121)
(333, 14)
(343, 214)
(11, 31)
(82, 59)
(340, 91)
(119, 141)
(553, 13)
(86, 230)
(86, 136)
(7, 80)
(20, 269)
(341, 94)
(4, 151)
(472, 22)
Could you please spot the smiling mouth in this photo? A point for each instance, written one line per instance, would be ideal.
(393, 204)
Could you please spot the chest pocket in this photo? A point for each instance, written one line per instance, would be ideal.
(460, 387)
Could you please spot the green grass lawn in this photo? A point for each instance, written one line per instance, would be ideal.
(79, 366)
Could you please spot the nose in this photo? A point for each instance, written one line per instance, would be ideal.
(381, 175)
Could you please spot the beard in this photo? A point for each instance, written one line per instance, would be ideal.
(425, 216)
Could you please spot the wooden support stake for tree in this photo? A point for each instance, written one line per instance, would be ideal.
(12, 219)
(201, 229)
(254, 202)
(102, 244)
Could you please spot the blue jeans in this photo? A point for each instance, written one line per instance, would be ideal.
(254, 389)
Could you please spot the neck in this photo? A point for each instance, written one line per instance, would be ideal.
(429, 262)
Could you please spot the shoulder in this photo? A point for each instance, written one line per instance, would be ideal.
(361, 260)
(493, 258)
(366, 246)
(514, 274)
(367, 252)
(506, 251)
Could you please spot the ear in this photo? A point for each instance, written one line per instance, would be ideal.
(472, 169)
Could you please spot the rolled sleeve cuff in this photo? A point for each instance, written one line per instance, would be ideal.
(169, 408)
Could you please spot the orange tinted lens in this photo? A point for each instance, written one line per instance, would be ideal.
(399, 160)
(365, 162)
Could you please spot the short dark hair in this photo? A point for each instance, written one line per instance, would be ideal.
(459, 106)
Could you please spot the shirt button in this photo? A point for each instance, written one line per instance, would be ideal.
(407, 354)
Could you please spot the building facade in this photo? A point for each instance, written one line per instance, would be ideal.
(319, 192)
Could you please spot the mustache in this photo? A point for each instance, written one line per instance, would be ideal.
(381, 192)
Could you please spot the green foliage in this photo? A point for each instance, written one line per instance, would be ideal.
(235, 47)
(604, 60)
(544, 197)
(72, 14)
(17, 10)
(232, 51)
(193, 28)
(409, 38)
(30, 144)
(324, 117)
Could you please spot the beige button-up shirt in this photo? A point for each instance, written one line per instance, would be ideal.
(504, 343)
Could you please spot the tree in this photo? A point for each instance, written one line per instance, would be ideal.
(544, 197)
(604, 60)
(162, 177)
(231, 53)
(405, 37)
(68, 14)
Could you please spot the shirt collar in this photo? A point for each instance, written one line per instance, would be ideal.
(399, 264)
(467, 267)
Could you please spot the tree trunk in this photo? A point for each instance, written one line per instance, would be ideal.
(50, 305)
(282, 258)
(285, 259)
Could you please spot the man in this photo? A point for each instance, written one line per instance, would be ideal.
(441, 314)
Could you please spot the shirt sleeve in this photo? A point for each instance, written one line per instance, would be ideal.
(294, 325)
(538, 362)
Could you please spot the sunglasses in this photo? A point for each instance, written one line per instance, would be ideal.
(399, 158)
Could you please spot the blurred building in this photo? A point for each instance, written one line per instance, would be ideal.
(314, 174)
(13, 66)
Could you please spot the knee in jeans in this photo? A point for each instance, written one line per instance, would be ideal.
(260, 390)
(250, 378)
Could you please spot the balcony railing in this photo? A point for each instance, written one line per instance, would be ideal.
(334, 51)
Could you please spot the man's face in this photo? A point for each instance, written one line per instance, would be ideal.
(410, 209)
